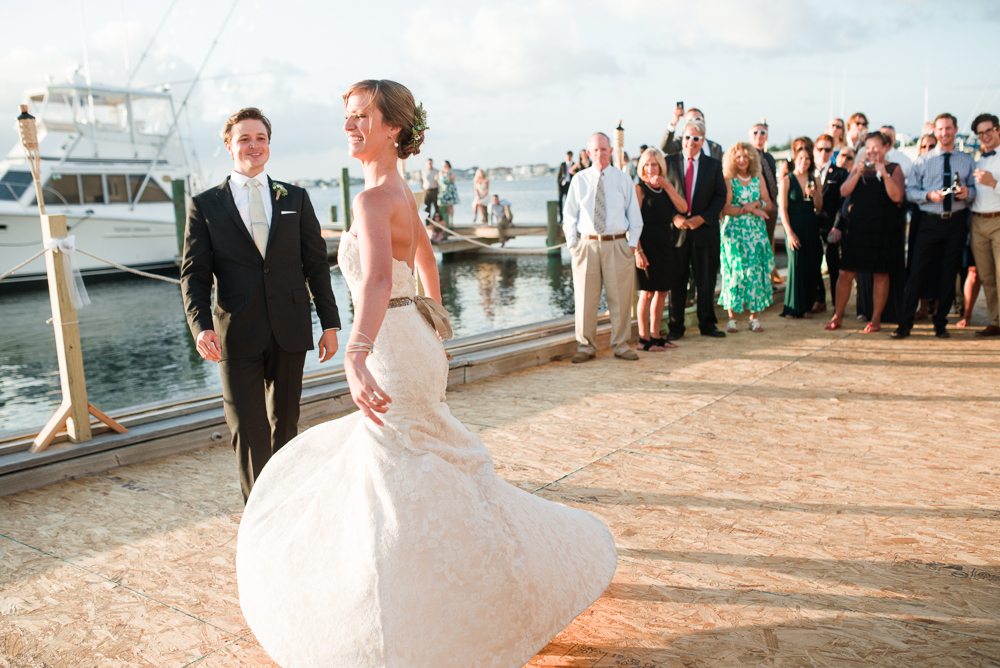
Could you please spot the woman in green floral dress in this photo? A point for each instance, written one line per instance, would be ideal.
(448, 196)
(746, 256)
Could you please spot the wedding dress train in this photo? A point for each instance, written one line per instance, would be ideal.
(397, 546)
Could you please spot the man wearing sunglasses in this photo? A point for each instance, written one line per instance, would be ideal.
(857, 130)
(669, 145)
(700, 178)
(831, 178)
(986, 218)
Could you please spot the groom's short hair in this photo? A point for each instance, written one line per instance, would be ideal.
(247, 114)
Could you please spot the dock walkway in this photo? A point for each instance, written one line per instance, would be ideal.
(791, 498)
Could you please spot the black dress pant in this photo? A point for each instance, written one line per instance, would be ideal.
(946, 236)
(563, 191)
(261, 398)
(704, 261)
(431, 199)
(832, 253)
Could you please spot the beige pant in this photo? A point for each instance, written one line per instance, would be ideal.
(985, 244)
(611, 264)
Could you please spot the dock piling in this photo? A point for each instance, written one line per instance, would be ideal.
(180, 211)
(553, 224)
(345, 197)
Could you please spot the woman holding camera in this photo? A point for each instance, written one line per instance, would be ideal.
(801, 200)
(873, 238)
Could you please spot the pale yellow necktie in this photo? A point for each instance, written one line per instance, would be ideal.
(258, 219)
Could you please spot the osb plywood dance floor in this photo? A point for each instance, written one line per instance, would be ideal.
(791, 498)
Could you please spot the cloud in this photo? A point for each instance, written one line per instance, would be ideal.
(499, 47)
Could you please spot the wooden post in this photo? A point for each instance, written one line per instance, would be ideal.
(180, 211)
(553, 228)
(333, 213)
(67, 330)
(619, 146)
(74, 412)
(345, 197)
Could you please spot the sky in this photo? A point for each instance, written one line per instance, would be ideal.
(518, 81)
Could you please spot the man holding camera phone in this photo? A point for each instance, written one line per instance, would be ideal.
(670, 145)
(942, 184)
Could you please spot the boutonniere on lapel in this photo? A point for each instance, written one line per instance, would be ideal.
(279, 190)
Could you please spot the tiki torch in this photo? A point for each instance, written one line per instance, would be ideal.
(29, 140)
(620, 146)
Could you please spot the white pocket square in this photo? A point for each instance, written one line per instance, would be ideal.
(284, 212)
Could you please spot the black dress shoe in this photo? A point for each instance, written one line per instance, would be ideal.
(715, 334)
(942, 333)
(900, 333)
(673, 336)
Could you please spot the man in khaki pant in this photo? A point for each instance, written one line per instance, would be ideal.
(985, 228)
(602, 224)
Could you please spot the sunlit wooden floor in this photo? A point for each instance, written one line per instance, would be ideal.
(791, 498)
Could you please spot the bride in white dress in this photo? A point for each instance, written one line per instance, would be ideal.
(384, 539)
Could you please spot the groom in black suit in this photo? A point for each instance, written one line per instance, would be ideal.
(700, 178)
(259, 242)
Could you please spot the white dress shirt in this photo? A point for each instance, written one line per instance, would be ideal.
(901, 159)
(620, 204)
(241, 196)
(567, 176)
(988, 199)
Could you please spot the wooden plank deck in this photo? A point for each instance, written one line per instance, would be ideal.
(791, 498)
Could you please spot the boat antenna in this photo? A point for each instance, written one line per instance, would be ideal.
(125, 38)
(150, 45)
(177, 114)
(86, 54)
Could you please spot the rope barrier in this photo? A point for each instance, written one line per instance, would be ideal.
(515, 251)
(23, 264)
(131, 271)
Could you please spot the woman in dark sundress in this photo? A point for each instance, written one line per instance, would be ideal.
(873, 240)
(659, 202)
(801, 199)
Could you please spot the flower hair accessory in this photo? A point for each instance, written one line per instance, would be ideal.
(420, 121)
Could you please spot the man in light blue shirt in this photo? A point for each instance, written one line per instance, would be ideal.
(602, 224)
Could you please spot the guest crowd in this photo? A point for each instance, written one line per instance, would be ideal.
(902, 232)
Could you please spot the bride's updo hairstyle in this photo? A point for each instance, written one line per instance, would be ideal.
(395, 102)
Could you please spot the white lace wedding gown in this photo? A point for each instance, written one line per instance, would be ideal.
(397, 546)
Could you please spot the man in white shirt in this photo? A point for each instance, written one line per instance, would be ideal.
(428, 181)
(985, 225)
(602, 224)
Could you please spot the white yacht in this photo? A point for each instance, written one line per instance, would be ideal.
(108, 157)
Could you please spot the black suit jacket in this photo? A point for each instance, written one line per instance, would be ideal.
(563, 169)
(255, 296)
(709, 195)
(670, 146)
(832, 200)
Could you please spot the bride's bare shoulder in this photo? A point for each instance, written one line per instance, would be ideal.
(379, 203)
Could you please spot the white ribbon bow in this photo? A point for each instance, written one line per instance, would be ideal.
(62, 244)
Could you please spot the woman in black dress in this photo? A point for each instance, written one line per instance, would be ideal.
(659, 201)
(801, 198)
(873, 240)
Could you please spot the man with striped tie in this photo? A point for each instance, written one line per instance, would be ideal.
(259, 242)
(602, 224)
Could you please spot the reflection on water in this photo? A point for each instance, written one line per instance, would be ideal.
(138, 350)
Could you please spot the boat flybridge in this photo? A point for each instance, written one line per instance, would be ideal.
(108, 157)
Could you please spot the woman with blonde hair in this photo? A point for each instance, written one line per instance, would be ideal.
(481, 185)
(746, 256)
(659, 202)
(837, 130)
(385, 538)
